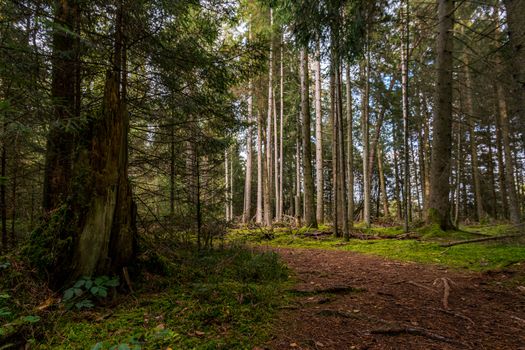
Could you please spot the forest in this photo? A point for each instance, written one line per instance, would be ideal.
(262, 174)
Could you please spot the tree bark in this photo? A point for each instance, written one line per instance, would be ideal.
(366, 145)
(319, 140)
(246, 216)
(309, 205)
(516, 30)
(469, 105)
(350, 165)
(439, 203)
(514, 213)
(260, 170)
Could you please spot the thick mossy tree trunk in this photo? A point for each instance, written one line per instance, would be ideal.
(439, 202)
(88, 225)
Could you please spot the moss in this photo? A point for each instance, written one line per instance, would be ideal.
(479, 257)
(221, 299)
(50, 242)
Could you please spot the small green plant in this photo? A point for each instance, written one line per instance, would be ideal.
(80, 295)
(4, 265)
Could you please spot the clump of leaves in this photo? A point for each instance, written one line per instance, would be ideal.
(81, 294)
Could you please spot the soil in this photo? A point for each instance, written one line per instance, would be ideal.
(347, 300)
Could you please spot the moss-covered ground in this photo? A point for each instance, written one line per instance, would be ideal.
(218, 299)
(423, 245)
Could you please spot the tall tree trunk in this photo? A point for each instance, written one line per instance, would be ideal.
(335, 150)
(501, 168)
(268, 213)
(439, 203)
(319, 139)
(490, 169)
(260, 170)
(516, 30)
(281, 115)
(298, 208)
(226, 187)
(172, 169)
(3, 203)
(309, 205)
(90, 223)
(514, 213)
(246, 215)
(341, 151)
(404, 88)
(459, 162)
(60, 141)
(350, 165)
(366, 145)
(382, 181)
(469, 105)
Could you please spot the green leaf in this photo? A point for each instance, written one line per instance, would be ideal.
(123, 346)
(97, 346)
(84, 304)
(31, 319)
(113, 282)
(69, 294)
(103, 292)
(4, 295)
(78, 292)
(80, 283)
(89, 284)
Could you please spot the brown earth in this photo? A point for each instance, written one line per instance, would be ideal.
(347, 300)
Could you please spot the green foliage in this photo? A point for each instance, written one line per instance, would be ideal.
(218, 299)
(80, 294)
(50, 241)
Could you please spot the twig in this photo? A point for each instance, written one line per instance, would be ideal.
(421, 286)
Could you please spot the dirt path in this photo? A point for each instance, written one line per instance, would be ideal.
(353, 301)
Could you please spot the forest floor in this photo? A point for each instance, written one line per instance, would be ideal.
(348, 300)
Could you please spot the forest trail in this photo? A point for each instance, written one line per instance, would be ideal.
(348, 300)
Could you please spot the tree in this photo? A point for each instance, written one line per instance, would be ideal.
(309, 205)
(439, 203)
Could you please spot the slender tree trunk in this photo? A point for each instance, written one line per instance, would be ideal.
(319, 139)
(298, 208)
(501, 168)
(260, 170)
(382, 181)
(404, 88)
(350, 165)
(459, 162)
(281, 112)
(469, 105)
(246, 216)
(490, 169)
(366, 145)
(268, 213)
(510, 183)
(439, 203)
(516, 30)
(309, 205)
(3, 203)
(335, 150)
(172, 169)
(226, 187)
(341, 151)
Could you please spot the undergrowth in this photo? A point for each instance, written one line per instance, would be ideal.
(216, 299)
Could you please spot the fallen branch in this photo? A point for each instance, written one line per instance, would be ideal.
(475, 240)
(416, 331)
